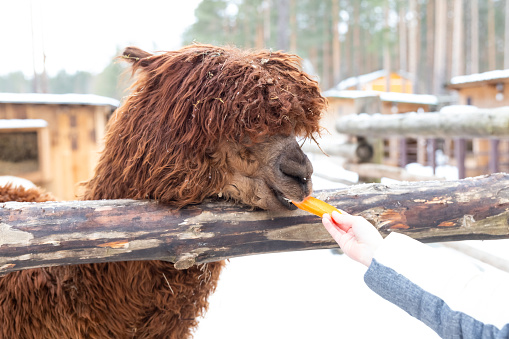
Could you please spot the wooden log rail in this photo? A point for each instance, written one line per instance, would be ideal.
(493, 123)
(391, 172)
(352, 152)
(77, 232)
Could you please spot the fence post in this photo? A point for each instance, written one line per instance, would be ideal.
(459, 154)
(403, 158)
(432, 149)
(494, 161)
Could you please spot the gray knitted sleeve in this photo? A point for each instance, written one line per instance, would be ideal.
(427, 307)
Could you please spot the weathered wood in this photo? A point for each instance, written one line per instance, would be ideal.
(59, 233)
(352, 152)
(492, 123)
(391, 172)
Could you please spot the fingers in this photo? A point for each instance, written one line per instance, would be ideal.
(359, 225)
(333, 230)
(344, 221)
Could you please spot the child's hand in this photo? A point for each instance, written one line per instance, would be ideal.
(354, 234)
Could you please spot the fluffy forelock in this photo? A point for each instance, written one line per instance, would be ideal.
(206, 93)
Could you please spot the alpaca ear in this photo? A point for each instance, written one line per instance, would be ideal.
(137, 56)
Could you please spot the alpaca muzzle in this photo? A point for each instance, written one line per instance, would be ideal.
(295, 171)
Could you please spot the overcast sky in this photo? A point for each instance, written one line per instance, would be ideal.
(85, 35)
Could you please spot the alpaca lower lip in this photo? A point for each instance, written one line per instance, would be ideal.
(287, 203)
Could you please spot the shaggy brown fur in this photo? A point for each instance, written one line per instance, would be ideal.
(167, 139)
(10, 192)
(201, 121)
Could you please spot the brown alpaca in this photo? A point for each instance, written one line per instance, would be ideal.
(201, 122)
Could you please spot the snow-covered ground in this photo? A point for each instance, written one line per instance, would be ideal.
(309, 294)
(313, 294)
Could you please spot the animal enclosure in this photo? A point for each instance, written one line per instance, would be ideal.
(484, 90)
(53, 140)
(459, 125)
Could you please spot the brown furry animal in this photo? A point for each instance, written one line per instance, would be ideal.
(12, 192)
(201, 121)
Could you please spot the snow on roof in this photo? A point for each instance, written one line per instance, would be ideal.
(349, 94)
(424, 99)
(22, 123)
(361, 79)
(478, 77)
(63, 99)
(365, 78)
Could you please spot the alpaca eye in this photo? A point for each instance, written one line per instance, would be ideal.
(246, 155)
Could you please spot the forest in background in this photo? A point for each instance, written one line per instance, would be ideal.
(108, 83)
(432, 40)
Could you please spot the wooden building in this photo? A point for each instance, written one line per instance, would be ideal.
(398, 82)
(52, 139)
(484, 90)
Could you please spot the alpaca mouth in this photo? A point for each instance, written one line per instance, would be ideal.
(287, 203)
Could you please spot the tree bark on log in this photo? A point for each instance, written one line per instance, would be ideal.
(78, 232)
(479, 124)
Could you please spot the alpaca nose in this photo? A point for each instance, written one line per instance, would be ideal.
(295, 165)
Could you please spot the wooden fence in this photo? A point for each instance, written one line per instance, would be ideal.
(489, 128)
(76, 232)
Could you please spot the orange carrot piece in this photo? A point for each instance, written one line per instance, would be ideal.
(315, 206)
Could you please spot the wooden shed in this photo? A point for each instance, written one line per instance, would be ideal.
(395, 150)
(52, 139)
(399, 82)
(484, 90)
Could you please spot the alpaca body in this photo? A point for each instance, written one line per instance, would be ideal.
(202, 121)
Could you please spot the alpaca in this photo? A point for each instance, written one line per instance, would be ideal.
(200, 122)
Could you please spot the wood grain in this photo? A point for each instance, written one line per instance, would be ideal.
(76, 232)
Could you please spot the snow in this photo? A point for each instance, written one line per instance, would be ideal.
(68, 99)
(444, 171)
(22, 123)
(16, 181)
(349, 94)
(302, 295)
(497, 248)
(424, 99)
(314, 294)
(326, 167)
(361, 79)
(453, 109)
(477, 77)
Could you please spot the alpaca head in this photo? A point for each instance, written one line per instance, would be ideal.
(211, 121)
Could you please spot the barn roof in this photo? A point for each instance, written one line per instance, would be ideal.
(58, 99)
(424, 99)
(479, 79)
(366, 78)
(22, 123)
